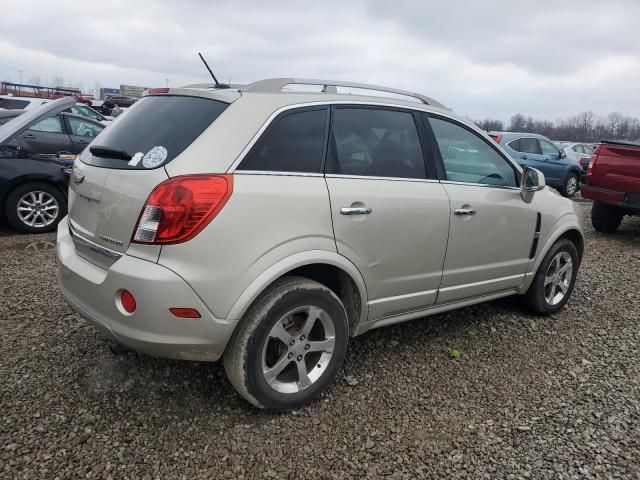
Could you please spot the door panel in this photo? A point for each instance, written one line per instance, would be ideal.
(554, 166)
(492, 227)
(399, 247)
(44, 142)
(488, 251)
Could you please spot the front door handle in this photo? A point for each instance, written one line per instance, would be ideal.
(29, 135)
(355, 211)
(464, 211)
(524, 157)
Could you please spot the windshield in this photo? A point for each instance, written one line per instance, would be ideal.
(153, 132)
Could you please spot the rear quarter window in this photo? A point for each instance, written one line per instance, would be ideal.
(12, 104)
(164, 123)
(293, 143)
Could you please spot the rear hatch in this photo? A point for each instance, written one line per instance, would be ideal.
(114, 176)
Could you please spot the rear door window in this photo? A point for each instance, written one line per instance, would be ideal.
(293, 143)
(48, 125)
(375, 143)
(153, 132)
(529, 145)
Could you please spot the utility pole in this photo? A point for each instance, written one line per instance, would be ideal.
(167, 80)
(20, 76)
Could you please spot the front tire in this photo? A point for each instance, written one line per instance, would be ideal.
(555, 279)
(571, 185)
(605, 218)
(35, 207)
(289, 346)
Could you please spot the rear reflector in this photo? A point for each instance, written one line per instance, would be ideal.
(185, 312)
(128, 301)
(179, 208)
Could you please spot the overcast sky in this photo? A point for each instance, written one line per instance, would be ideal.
(550, 59)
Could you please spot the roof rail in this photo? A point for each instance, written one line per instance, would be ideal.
(275, 85)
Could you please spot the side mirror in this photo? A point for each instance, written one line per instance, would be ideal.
(532, 180)
(562, 154)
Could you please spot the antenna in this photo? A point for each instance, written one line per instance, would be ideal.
(218, 84)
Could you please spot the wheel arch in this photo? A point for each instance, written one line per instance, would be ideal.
(328, 268)
(570, 230)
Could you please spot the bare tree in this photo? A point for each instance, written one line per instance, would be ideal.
(517, 123)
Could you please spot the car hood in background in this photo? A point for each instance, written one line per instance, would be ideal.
(15, 127)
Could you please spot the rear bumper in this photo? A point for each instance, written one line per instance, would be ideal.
(628, 201)
(92, 292)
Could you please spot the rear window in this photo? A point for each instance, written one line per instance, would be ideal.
(153, 132)
(13, 104)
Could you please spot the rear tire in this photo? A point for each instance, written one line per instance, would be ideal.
(35, 207)
(554, 281)
(605, 218)
(289, 346)
(571, 185)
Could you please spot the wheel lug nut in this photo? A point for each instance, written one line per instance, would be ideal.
(299, 357)
(290, 355)
(307, 346)
(302, 337)
(292, 343)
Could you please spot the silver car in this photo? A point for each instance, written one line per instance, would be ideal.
(268, 227)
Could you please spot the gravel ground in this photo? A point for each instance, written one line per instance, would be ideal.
(529, 397)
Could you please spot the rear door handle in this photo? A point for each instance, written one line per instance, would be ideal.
(464, 211)
(29, 135)
(355, 211)
(524, 157)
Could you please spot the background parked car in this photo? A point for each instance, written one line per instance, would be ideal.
(579, 152)
(33, 185)
(54, 134)
(537, 151)
(613, 183)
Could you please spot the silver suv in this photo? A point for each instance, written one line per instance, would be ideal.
(268, 224)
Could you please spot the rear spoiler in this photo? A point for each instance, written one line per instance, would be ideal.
(617, 142)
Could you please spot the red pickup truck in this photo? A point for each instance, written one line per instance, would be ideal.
(613, 183)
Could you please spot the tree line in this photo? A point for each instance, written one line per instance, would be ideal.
(584, 127)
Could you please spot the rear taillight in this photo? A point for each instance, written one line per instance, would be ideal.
(592, 162)
(497, 138)
(179, 208)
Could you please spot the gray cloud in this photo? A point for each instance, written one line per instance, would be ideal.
(490, 58)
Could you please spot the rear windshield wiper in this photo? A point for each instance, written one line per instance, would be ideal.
(100, 151)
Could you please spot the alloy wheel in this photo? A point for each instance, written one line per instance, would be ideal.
(572, 185)
(298, 349)
(38, 209)
(557, 279)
